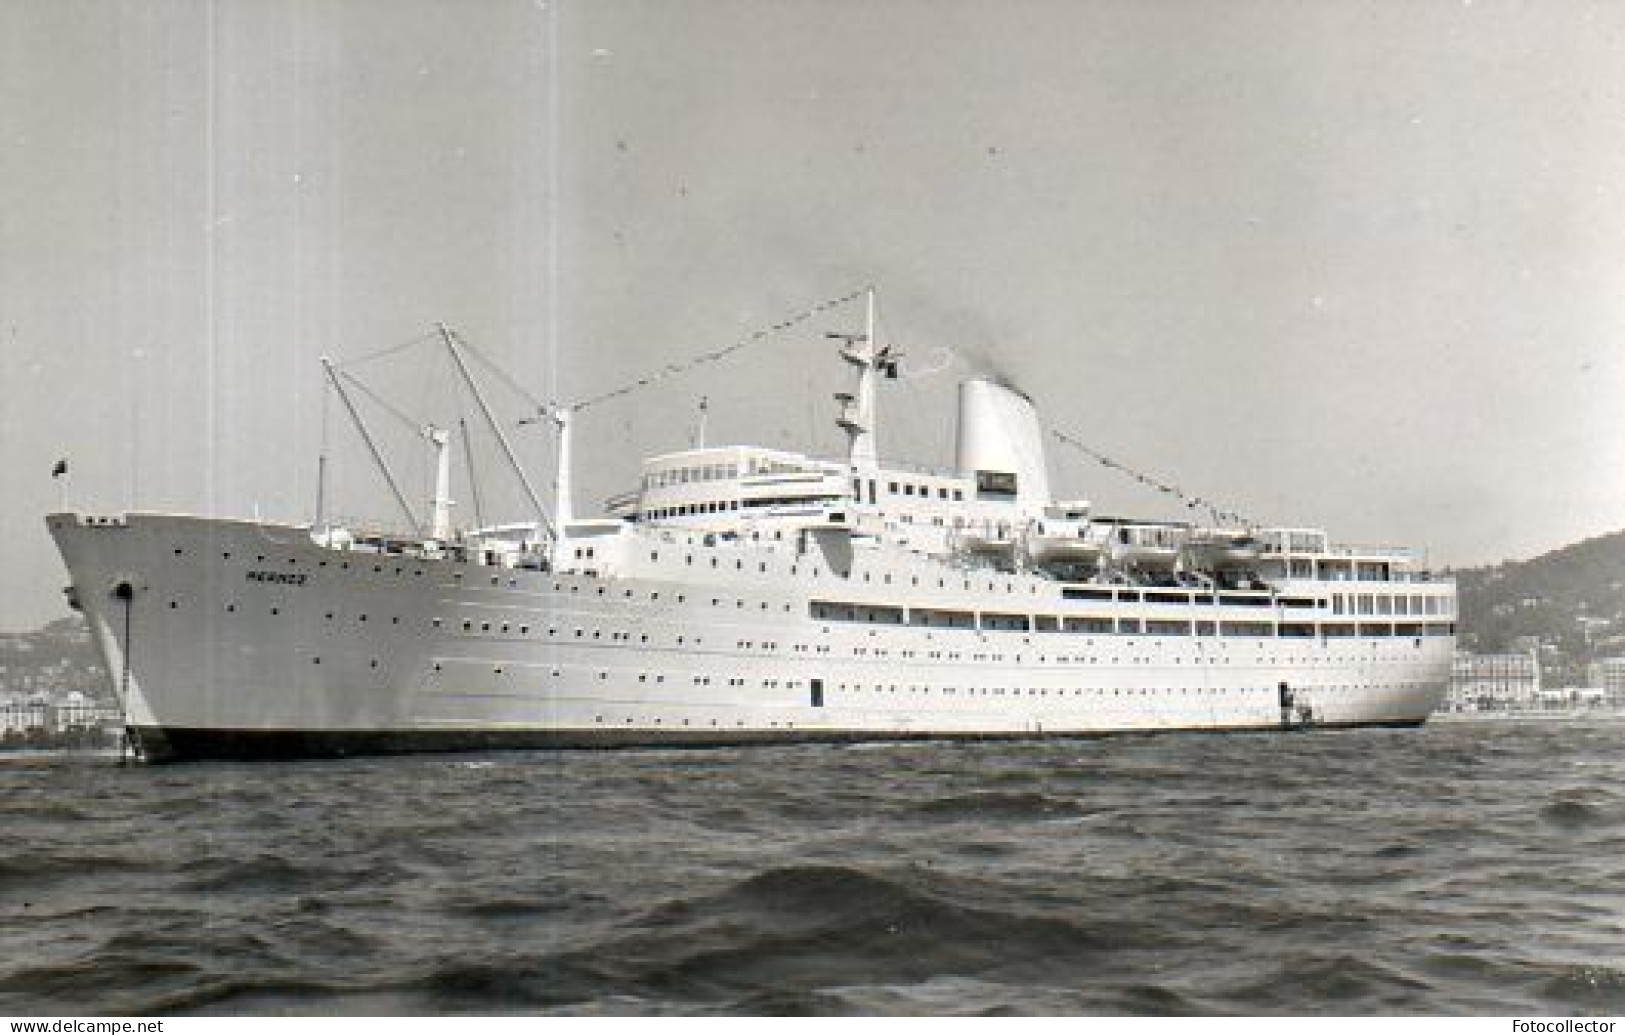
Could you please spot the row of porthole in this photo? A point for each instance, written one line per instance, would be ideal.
(294, 562)
(713, 724)
(524, 630)
(330, 616)
(999, 691)
(1101, 692)
(654, 595)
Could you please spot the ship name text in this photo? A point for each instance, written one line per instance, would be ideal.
(286, 578)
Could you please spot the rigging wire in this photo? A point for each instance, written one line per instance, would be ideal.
(1218, 512)
(672, 370)
(320, 519)
(390, 350)
(388, 407)
(503, 376)
(473, 480)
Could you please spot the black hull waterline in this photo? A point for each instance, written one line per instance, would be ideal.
(167, 744)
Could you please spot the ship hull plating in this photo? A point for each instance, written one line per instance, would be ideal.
(241, 639)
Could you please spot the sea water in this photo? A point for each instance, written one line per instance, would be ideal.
(1466, 867)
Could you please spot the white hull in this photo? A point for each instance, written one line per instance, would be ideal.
(240, 638)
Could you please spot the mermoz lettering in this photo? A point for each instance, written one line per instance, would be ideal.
(286, 578)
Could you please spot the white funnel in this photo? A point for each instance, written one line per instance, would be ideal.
(999, 435)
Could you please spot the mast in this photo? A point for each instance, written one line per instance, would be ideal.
(372, 447)
(496, 429)
(563, 510)
(857, 417)
(440, 505)
(561, 477)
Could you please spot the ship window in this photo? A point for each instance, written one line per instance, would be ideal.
(891, 487)
(908, 490)
(1246, 629)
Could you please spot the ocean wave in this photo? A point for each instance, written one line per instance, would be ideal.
(996, 805)
(1575, 807)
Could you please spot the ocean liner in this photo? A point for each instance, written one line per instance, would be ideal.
(742, 594)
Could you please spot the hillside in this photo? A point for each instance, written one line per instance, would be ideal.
(54, 660)
(1571, 600)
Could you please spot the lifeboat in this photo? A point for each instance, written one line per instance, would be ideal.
(994, 539)
(1065, 542)
(1218, 550)
(1150, 548)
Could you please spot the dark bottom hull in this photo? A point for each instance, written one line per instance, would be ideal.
(157, 744)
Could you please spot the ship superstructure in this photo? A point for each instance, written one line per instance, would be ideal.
(740, 593)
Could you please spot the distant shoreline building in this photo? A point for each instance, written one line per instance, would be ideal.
(1608, 675)
(1490, 682)
(39, 721)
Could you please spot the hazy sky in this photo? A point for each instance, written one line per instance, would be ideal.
(1356, 265)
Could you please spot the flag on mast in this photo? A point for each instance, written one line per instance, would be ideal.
(60, 469)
